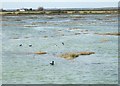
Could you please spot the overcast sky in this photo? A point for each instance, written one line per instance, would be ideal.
(15, 4)
(59, 0)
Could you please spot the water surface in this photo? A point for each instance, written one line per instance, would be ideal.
(46, 33)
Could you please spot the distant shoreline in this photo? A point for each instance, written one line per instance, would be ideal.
(58, 12)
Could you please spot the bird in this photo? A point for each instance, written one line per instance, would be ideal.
(20, 45)
(63, 43)
(52, 62)
(30, 45)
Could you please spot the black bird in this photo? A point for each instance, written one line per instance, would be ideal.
(20, 45)
(52, 63)
(63, 43)
(30, 45)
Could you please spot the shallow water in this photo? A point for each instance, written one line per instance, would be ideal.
(46, 33)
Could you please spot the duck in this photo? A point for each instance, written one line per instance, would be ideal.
(52, 62)
(30, 45)
(20, 45)
(63, 43)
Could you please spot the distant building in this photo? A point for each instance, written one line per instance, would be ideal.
(22, 10)
(2, 10)
(25, 9)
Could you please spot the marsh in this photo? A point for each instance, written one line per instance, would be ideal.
(44, 32)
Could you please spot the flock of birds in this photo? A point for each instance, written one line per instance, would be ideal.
(52, 62)
(29, 45)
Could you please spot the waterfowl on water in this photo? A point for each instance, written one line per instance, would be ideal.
(63, 43)
(30, 45)
(20, 45)
(52, 63)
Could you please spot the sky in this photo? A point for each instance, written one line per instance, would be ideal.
(16, 4)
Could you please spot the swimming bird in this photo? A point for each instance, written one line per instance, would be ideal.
(20, 45)
(30, 45)
(63, 43)
(52, 63)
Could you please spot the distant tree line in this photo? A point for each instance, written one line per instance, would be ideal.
(40, 9)
(24, 9)
(66, 9)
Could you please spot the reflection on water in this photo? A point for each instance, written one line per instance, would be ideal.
(46, 33)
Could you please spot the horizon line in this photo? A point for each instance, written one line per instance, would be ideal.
(65, 8)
